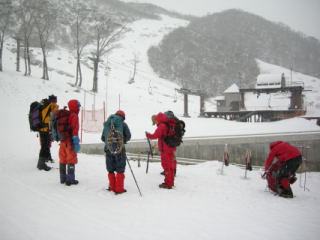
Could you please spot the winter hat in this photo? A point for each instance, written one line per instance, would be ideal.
(121, 113)
(53, 98)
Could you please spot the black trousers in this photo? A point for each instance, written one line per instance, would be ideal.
(45, 142)
(290, 167)
(116, 163)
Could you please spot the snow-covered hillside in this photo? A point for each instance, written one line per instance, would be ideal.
(203, 204)
(148, 94)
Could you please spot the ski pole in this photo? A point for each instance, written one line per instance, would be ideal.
(134, 177)
(149, 153)
(268, 170)
(148, 162)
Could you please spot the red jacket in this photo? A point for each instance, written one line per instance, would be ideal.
(160, 133)
(283, 151)
(73, 119)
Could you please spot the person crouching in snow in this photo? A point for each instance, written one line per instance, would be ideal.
(115, 134)
(166, 152)
(281, 174)
(70, 146)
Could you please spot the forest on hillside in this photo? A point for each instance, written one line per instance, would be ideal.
(90, 29)
(220, 49)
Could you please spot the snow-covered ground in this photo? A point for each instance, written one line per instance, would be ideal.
(203, 205)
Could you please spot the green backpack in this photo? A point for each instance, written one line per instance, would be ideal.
(113, 134)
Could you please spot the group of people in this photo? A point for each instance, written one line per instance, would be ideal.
(280, 167)
(116, 163)
(69, 146)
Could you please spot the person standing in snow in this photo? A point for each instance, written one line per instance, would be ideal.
(281, 173)
(116, 160)
(70, 146)
(166, 152)
(49, 106)
(169, 114)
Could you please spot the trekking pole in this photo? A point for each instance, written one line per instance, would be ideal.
(246, 165)
(268, 170)
(134, 177)
(149, 153)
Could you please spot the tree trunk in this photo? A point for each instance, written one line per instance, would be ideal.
(45, 74)
(28, 59)
(77, 72)
(25, 58)
(1, 50)
(18, 55)
(80, 75)
(95, 75)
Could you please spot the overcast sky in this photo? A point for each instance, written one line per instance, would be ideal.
(300, 15)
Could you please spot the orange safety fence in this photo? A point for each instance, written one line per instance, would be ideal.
(92, 120)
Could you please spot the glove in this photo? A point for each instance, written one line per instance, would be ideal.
(264, 175)
(75, 141)
(148, 135)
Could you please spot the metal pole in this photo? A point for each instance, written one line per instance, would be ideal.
(134, 177)
(119, 101)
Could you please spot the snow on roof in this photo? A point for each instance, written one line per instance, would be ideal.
(232, 89)
(219, 98)
(268, 78)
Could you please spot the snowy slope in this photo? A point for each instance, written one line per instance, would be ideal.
(203, 205)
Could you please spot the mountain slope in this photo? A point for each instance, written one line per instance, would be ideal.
(217, 50)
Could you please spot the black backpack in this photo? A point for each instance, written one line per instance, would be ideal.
(176, 130)
(35, 118)
(35, 114)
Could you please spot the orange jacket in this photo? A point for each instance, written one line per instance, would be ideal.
(46, 112)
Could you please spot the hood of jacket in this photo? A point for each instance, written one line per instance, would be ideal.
(74, 106)
(272, 145)
(161, 118)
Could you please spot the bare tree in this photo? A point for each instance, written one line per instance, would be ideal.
(5, 16)
(45, 21)
(18, 41)
(25, 15)
(78, 20)
(107, 33)
(135, 63)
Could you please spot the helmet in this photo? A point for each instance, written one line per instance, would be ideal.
(121, 113)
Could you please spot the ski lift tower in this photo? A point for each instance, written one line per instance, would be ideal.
(186, 92)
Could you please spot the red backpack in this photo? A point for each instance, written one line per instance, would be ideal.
(60, 127)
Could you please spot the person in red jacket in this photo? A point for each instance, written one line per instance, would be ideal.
(167, 153)
(281, 174)
(70, 146)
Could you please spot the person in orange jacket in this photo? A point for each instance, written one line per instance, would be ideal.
(281, 174)
(166, 152)
(69, 146)
(50, 105)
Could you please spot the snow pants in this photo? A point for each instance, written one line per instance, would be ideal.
(169, 165)
(282, 177)
(45, 143)
(67, 155)
(116, 163)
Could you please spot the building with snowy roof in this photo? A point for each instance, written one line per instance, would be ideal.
(230, 101)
